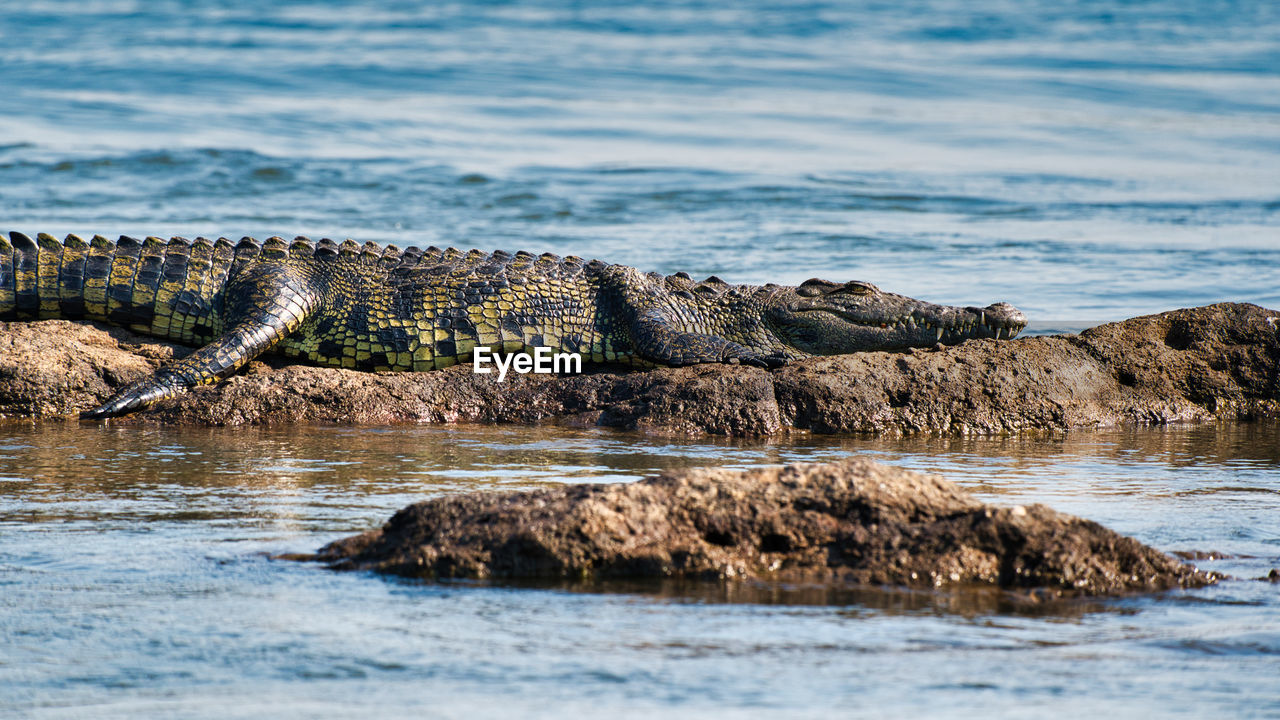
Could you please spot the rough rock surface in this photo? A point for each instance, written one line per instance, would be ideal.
(853, 522)
(1214, 362)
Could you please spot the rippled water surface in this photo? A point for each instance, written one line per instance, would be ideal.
(137, 580)
(1083, 160)
(1086, 161)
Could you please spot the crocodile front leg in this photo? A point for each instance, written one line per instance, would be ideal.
(657, 336)
(657, 339)
(265, 304)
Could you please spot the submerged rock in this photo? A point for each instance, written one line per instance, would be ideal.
(855, 522)
(1214, 362)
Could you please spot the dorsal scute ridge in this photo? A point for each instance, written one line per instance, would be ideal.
(301, 244)
(714, 287)
(414, 255)
(48, 243)
(302, 247)
(275, 247)
(679, 285)
(21, 242)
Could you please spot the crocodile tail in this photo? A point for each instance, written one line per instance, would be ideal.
(8, 300)
(165, 288)
(20, 277)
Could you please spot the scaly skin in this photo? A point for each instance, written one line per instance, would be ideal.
(381, 309)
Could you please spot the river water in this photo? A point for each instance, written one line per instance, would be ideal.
(1086, 161)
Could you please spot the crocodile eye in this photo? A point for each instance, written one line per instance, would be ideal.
(815, 287)
(855, 287)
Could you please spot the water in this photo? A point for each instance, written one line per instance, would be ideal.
(143, 586)
(1086, 161)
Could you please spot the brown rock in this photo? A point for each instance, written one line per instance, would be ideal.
(854, 522)
(1214, 362)
(1219, 361)
(57, 367)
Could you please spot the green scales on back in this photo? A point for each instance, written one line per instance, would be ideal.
(366, 307)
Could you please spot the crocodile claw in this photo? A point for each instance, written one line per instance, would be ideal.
(767, 362)
(132, 398)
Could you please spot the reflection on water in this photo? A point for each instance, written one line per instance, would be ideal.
(969, 601)
(1154, 482)
(136, 574)
(444, 456)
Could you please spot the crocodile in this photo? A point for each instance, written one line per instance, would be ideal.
(374, 308)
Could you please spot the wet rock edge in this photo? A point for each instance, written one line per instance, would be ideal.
(854, 523)
(1191, 365)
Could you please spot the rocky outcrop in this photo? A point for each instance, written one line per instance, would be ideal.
(849, 523)
(57, 368)
(1214, 362)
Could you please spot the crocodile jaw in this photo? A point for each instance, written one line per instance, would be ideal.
(821, 318)
(932, 324)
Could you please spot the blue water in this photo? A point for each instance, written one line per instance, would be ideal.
(135, 572)
(1086, 161)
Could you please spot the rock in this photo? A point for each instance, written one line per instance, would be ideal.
(1219, 361)
(1198, 364)
(56, 367)
(850, 523)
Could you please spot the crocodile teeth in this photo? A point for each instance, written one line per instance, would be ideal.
(939, 333)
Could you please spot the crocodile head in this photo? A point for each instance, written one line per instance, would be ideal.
(825, 318)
